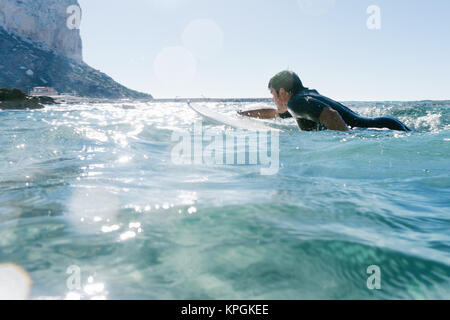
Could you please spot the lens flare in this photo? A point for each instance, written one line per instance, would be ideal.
(175, 66)
(203, 37)
(316, 7)
(15, 283)
(91, 208)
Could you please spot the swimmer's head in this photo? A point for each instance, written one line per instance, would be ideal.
(287, 80)
(283, 86)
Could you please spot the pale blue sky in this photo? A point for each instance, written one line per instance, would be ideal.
(140, 42)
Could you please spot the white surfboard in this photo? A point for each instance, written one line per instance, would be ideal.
(235, 122)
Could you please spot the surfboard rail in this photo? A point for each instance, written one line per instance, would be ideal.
(234, 122)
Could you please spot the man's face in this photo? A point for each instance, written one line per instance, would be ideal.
(279, 101)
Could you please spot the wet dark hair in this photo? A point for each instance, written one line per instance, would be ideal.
(287, 80)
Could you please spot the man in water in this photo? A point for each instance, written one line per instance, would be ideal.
(313, 111)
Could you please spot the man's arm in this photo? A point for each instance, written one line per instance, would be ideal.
(260, 114)
(331, 119)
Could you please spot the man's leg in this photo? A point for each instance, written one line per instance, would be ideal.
(389, 123)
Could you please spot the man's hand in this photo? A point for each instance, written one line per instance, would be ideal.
(260, 114)
(331, 119)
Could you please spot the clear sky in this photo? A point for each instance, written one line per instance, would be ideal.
(218, 48)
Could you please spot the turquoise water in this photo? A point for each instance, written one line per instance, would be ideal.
(95, 186)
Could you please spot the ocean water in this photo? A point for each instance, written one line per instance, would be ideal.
(93, 206)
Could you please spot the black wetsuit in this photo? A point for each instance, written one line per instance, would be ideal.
(307, 106)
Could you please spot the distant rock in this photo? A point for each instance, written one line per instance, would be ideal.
(15, 99)
(11, 94)
(44, 100)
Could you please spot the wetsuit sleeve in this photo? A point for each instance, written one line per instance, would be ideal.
(303, 124)
(305, 107)
(308, 125)
(285, 115)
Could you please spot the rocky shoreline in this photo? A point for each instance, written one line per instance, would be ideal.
(15, 99)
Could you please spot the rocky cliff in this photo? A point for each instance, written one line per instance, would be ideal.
(43, 22)
(40, 45)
